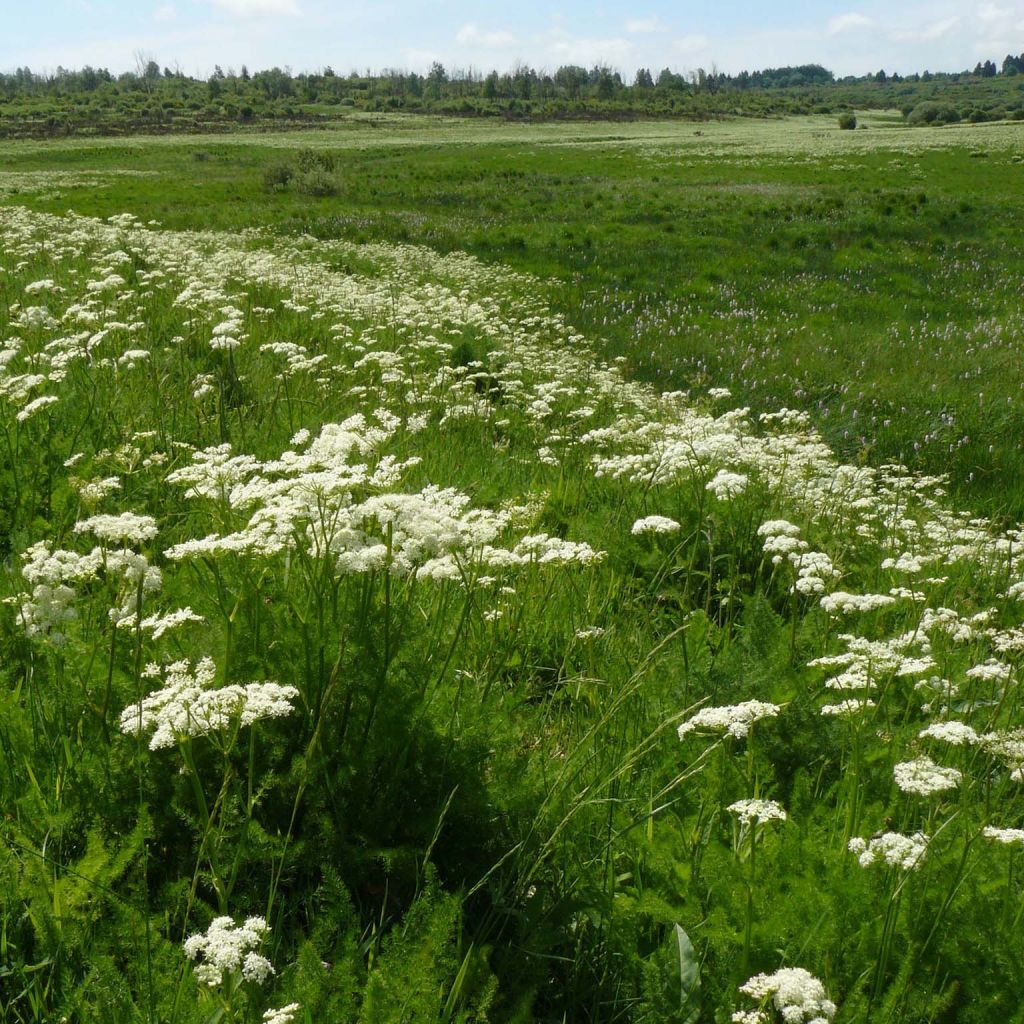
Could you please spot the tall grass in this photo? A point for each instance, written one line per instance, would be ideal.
(369, 645)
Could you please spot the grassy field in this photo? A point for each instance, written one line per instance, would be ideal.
(872, 278)
(404, 619)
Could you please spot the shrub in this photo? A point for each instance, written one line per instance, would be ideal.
(315, 160)
(316, 182)
(847, 121)
(277, 176)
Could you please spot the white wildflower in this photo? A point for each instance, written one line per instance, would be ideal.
(726, 485)
(735, 719)
(125, 528)
(654, 524)
(847, 707)
(186, 706)
(841, 603)
(956, 734)
(923, 777)
(757, 811)
(891, 848)
(35, 405)
(282, 1015)
(796, 994)
(1004, 835)
(990, 671)
(230, 949)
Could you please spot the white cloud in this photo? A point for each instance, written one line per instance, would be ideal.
(471, 35)
(641, 26)
(940, 28)
(422, 59)
(990, 12)
(565, 49)
(691, 44)
(848, 22)
(247, 8)
(165, 13)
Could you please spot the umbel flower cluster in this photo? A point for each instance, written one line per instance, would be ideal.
(735, 720)
(187, 705)
(226, 949)
(796, 994)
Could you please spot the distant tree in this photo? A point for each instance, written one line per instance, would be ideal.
(881, 77)
(436, 78)
(571, 78)
(605, 85)
(643, 79)
(668, 79)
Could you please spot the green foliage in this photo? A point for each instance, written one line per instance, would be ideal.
(477, 807)
(277, 176)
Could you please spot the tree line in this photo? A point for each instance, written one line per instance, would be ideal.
(91, 98)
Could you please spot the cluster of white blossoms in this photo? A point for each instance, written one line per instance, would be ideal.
(654, 524)
(847, 708)
(1007, 836)
(923, 777)
(781, 540)
(227, 949)
(757, 812)
(956, 734)
(733, 719)
(796, 994)
(866, 662)
(282, 1015)
(1008, 746)
(124, 528)
(56, 574)
(186, 705)
(841, 603)
(725, 484)
(894, 849)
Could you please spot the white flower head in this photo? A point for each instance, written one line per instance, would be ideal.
(757, 812)
(725, 485)
(283, 1015)
(654, 524)
(923, 777)
(186, 705)
(795, 993)
(734, 719)
(229, 949)
(894, 849)
(125, 528)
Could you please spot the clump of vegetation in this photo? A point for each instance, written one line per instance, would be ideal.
(276, 176)
(402, 653)
(847, 120)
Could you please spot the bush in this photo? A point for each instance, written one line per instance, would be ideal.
(933, 113)
(315, 160)
(316, 182)
(277, 176)
(847, 121)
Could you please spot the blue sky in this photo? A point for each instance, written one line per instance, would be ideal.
(847, 36)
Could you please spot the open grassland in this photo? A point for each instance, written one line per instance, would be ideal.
(376, 647)
(873, 277)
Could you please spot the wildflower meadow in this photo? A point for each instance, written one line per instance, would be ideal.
(376, 647)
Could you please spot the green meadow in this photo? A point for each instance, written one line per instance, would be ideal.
(472, 572)
(869, 277)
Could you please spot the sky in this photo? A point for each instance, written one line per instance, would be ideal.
(847, 36)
